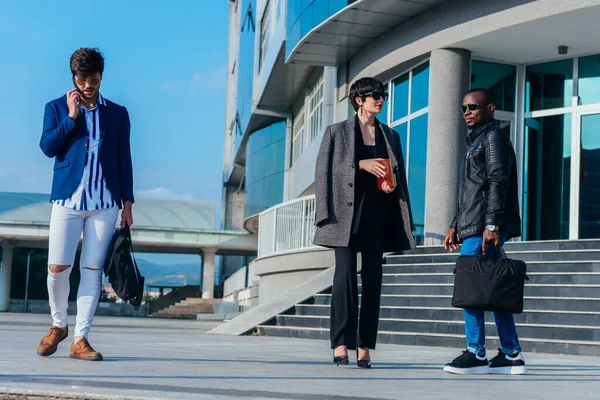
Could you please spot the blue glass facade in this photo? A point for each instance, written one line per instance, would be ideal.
(303, 15)
(265, 163)
(245, 67)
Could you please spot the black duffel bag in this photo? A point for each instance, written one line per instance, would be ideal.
(489, 285)
(122, 270)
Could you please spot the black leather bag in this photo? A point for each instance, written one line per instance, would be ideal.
(122, 270)
(489, 285)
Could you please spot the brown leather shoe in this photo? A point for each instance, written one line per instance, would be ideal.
(50, 342)
(82, 350)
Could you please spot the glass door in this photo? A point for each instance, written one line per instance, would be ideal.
(585, 216)
(546, 181)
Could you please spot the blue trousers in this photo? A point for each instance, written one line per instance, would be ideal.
(475, 320)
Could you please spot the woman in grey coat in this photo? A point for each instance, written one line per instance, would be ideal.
(353, 216)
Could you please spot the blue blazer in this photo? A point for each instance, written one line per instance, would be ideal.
(66, 141)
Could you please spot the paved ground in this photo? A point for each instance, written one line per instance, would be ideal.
(149, 358)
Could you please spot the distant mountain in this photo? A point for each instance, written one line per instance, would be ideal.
(169, 275)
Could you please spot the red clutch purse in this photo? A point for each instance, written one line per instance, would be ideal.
(390, 177)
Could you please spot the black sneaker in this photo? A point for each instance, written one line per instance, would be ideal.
(468, 363)
(508, 364)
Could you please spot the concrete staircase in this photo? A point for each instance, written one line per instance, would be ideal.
(562, 301)
(187, 309)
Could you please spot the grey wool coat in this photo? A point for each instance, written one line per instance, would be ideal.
(335, 188)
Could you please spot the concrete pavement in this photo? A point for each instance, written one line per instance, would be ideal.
(172, 359)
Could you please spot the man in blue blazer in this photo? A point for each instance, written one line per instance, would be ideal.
(88, 137)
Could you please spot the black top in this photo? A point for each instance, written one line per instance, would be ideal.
(371, 205)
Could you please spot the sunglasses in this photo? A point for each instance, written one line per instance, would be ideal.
(471, 106)
(377, 95)
(93, 81)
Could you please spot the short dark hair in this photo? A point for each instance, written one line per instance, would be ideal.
(87, 61)
(362, 87)
(487, 95)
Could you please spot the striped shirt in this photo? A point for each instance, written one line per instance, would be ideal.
(92, 193)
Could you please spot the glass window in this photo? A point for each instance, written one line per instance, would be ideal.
(549, 85)
(420, 87)
(402, 130)
(316, 110)
(309, 123)
(320, 11)
(400, 97)
(589, 80)
(245, 68)
(304, 15)
(298, 136)
(383, 116)
(416, 173)
(264, 34)
(589, 191)
(264, 168)
(547, 177)
(498, 78)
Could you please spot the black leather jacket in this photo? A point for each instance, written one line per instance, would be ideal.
(488, 192)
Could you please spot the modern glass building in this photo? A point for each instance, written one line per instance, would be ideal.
(292, 63)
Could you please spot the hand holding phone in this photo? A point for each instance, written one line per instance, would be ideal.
(73, 99)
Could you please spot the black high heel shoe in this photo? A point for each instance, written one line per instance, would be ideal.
(362, 363)
(340, 360)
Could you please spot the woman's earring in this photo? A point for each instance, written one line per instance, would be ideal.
(361, 111)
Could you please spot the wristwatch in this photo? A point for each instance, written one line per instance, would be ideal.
(491, 228)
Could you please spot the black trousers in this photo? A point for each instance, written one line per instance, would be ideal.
(344, 322)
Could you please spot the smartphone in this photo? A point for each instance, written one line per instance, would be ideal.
(76, 88)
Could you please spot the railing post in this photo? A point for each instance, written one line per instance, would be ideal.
(274, 230)
(261, 234)
(303, 222)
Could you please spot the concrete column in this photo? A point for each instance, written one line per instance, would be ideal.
(450, 79)
(5, 275)
(208, 273)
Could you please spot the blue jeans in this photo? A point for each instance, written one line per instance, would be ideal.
(474, 319)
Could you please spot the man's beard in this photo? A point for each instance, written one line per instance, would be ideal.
(90, 97)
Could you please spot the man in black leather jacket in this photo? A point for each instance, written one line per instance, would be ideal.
(487, 216)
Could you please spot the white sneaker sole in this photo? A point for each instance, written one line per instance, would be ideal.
(519, 370)
(484, 369)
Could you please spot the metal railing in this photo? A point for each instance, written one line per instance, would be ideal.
(290, 226)
(287, 227)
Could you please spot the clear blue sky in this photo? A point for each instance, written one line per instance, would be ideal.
(165, 61)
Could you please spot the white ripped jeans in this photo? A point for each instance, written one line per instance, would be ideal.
(66, 227)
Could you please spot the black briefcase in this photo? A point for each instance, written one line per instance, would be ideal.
(489, 285)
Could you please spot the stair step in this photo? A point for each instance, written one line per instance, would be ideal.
(444, 340)
(544, 331)
(174, 316)
(586, 318)
(565, 278)
(194, 300)
(550, 255)
(531, 289)
(530, 302)
(581, 244)
(532, 266)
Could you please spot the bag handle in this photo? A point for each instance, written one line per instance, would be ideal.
(127, 231)
(504, 257)
(502, 252)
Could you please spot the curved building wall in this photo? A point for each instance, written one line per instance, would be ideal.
(489, 29)
(304, 15)
(265, 166)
